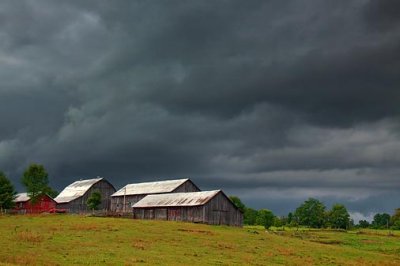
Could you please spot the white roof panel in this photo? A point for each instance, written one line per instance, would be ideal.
(22, 197)
(76, 190)
(150, 187)
(176, 199)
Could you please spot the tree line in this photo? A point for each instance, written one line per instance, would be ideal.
(314, 214)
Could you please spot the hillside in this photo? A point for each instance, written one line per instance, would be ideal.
(69, 239)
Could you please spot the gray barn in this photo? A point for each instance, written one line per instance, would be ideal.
(73, 198)
(209, 207)
(123, 199)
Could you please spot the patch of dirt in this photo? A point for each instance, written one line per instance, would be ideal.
(197, 231)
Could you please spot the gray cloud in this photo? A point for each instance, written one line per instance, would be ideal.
(272, 101)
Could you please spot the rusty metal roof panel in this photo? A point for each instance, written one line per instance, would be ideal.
(150, 187)
(176, 199)
(22, 197)
(76, 190)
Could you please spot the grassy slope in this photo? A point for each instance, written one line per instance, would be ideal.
(67, 239)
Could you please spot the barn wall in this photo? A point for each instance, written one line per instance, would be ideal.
(221, 211)
(79, 205)
(117, 203)
(193, 214)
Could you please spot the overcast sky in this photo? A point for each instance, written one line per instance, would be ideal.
(273, 101)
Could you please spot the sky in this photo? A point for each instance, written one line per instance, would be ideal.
(272, 101)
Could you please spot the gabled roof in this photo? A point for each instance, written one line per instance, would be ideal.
(150, 187)
(76, 190)
(22, 197)
(176, 199)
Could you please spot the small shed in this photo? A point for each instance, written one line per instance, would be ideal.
(209, 207)
(24, 204)
(122, 200)
(73, 198)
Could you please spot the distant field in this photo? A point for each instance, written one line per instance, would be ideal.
(69, 239)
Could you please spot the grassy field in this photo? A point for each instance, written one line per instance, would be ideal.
(79, 240)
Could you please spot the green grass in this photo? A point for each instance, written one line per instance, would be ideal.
(69, 239)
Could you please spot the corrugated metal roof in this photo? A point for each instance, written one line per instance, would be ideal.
(150, 187)
(76, 190)
(22, 197)
(176, 199)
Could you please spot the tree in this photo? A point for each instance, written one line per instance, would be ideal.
(311, 213)
(7, 193)
(381, 220)
(238, 203)
(289, 218)
(265, 218)
(36, 181)
(52, 193)
(250, 216)
(94, 200)
(363, 223)
(395, 219)
(339, 217)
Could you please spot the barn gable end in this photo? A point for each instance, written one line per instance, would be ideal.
(73, 198)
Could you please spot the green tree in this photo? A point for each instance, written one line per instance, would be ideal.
(363, 224)
(381, 220)
(289, 218)
(265, 218)
(339, 217)
(7, 193)
(52, 193)
(311, 213)
(36, 181)
(395, 219)
(238, 203)
(94, 200)
(250, 216)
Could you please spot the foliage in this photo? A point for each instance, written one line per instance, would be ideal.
(94, 200)
(265, 218)
(250, 216)
(289, 218)
(36, 181)
(238, 203)
(363, 224)
(311, 213)
(395, 219)
(338, 217)
(7, 192)
(381, 220)
(52, 193)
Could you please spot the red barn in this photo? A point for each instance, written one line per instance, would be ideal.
(23, 204)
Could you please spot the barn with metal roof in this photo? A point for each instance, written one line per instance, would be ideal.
(24, 204)
(209, 207)
(122, 200)
(73, 198)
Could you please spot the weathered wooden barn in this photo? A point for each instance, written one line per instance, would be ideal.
(24, 204)
(122, 200)
(73, 198)
(209, 207)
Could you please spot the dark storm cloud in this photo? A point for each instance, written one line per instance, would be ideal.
(271, 100)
